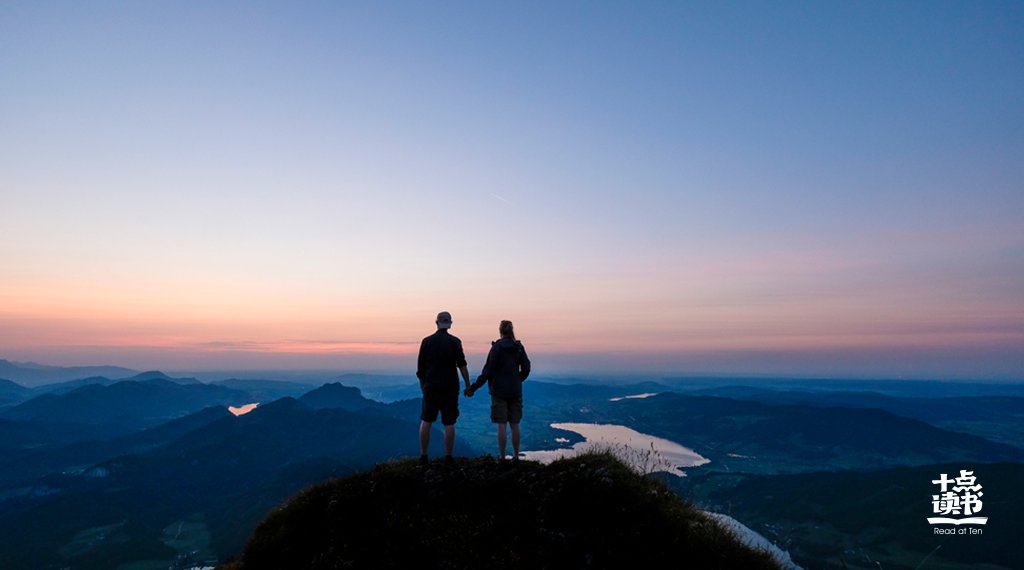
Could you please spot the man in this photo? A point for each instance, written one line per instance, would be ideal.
(506, 368)
(440, 356)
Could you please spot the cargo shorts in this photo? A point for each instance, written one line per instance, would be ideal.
(506, 410)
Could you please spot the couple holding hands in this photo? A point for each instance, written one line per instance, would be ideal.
(441, 359)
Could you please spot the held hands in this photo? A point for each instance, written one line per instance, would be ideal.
(468, 392)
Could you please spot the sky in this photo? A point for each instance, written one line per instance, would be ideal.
(828, 189)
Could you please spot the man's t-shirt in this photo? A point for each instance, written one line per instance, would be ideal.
(438, 365)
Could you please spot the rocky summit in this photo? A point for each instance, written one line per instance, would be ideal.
(591, 511)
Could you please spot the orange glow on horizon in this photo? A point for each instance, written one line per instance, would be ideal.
(803, 301)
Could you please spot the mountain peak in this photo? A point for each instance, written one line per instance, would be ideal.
(150, 375)
(281, 406)
(589, 511)
(156, 375)
(336, 395)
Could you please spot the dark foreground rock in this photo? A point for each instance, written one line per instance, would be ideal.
(586, 512)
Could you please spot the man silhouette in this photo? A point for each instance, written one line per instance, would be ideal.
(441, 355)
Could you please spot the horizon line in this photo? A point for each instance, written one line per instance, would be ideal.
(668, 374)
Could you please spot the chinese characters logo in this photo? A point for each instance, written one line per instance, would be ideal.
(960, 496)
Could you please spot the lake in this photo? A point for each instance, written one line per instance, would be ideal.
(644, 453)
(242, 410)
(633, 397)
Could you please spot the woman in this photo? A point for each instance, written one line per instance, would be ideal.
(506, 367)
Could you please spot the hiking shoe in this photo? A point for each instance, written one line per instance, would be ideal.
(449, 461)
(424, 460)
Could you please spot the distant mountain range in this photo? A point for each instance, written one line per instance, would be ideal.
(100, 472)
(139, 403)
(70, 385)
(31, 374)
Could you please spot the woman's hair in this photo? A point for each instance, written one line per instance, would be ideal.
(505, 328)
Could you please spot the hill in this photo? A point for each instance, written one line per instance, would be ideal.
(590, 511)
(337, 395)
(135, 403)
(12, 392)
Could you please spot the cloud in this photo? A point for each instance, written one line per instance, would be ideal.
(308, 346)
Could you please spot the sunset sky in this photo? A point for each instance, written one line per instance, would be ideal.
(825, 189)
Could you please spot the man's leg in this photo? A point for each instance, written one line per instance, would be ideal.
(424, 437)
(501, 440)
(515, 439)
(449, 413)
(449, 439)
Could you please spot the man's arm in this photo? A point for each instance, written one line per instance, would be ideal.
(421, 363)
(485, 373)
(460, 361)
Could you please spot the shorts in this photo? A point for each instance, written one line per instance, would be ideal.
(508, 410)
(445, 402)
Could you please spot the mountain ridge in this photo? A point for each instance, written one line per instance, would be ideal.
(32, 375)
(130, 402)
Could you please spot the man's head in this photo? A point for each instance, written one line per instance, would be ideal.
(444, 320)
(505, 330)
